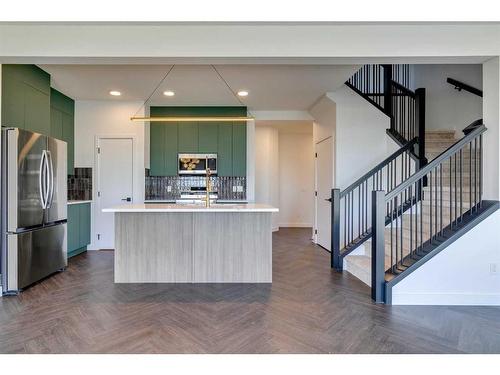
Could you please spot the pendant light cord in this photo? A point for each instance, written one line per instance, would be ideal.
(167, 74)
(156, 88)
(229, 87)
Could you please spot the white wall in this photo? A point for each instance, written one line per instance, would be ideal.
(445, 107)
(267, 168)
(296, 180)
(94, 118)
(491, 117)
(360, 136)
(461, 274)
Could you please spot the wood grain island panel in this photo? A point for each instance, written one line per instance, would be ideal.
(169, 244)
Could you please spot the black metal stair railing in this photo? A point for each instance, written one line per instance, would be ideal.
(351, 207)
(402, 235)
(388, 87)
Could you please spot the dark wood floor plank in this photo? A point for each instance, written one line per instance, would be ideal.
(308, 309)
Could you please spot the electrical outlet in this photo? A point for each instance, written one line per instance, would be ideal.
(169, 188)
(493, 268)
(234, 189)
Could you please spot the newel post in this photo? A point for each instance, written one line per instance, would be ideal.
(336, 261)
(420, 121)
(378, 245)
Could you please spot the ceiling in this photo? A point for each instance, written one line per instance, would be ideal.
(271, 87)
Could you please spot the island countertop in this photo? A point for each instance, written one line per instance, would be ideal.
(166, 207)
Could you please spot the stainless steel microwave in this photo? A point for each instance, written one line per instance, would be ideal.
(197, 164)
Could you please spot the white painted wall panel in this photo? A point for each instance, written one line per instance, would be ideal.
(461, 274)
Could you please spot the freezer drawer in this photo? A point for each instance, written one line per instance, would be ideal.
(35, 254)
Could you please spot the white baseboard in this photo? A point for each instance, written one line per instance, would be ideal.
(295, 225)
(459, 299)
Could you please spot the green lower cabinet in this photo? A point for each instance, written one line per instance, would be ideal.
(78, 228)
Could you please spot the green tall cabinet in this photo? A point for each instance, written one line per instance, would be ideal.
(227, 139)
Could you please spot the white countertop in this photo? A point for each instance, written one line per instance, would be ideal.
(222, 207)
(78, 202)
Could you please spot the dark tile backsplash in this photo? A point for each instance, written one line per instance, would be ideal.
(80, 184)
(158, 187)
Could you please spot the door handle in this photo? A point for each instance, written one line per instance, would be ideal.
(50, 181)
(328, 199)
(128, 199)
(41, 179)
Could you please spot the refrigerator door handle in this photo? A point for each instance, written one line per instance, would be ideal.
(50, 179)
(41, 179)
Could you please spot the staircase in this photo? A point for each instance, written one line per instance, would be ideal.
(416, 202)
(358, 263)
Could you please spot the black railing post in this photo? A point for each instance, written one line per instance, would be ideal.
(336, 261)
(420, 122)
(378, 245)
(388, 92)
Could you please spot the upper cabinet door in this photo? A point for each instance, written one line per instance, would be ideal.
(207, 137)
(188, 137)
(68, 135)
(157, 149)
(36, 110)
(56, 124)
(171, 147)
(12, 102)
(225, 149)
(239, 149)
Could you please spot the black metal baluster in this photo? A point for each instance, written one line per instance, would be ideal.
(430, 205)
(461, 183)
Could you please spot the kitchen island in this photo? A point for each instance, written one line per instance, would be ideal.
(178, 243)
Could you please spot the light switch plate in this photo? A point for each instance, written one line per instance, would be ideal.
(240, 189)
(234, 189)
(169, 188)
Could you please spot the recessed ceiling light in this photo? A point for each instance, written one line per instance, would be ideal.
(168, 93)
(115, 93)
(242, 93)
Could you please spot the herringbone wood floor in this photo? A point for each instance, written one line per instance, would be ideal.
(308, 309)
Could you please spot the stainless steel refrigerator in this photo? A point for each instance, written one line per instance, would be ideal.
(34, 212)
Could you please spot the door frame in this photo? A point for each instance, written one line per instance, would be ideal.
(315, 235)
(96, 188)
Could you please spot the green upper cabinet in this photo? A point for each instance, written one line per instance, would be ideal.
(26, 98)
(226, 139)
(28, 102)
(239, 149)
(62, 122)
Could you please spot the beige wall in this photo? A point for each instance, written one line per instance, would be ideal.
(267, 168)
(296, 180)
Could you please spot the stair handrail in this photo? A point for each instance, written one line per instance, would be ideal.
(463, 86)
(473, 133)
(387, 208)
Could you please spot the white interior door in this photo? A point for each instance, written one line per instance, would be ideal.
(115, 184)
(324, 180)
